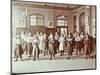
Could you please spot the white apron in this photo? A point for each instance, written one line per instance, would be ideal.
(62, 43)
(41, 40)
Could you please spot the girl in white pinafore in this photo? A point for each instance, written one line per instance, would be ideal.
(62, 44)
(41, 40)
(35, 43)
(44, 44)
(29, 44)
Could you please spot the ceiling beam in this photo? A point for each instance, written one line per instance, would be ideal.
(46, 6)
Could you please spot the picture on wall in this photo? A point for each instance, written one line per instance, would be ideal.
(50, 24)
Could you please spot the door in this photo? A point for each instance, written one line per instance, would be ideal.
(62, 29)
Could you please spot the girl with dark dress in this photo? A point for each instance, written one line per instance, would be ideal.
(56, 45)
(51, 46)
(18, 48)
(87, 46)
(69, 46)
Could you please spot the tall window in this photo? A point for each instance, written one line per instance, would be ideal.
(93, 27)
(62, 24)
(82, 20)
(61, 21)
(36, 20)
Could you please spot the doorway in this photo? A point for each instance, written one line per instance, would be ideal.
(62, 29)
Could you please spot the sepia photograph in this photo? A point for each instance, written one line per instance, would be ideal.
(52, 37)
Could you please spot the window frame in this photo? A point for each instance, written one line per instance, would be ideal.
(59, 18)
(37, 19)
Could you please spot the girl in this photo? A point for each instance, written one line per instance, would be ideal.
(51, 46)
(87, 45)
(69, 46)
(35, 52)
(62, 44)
(18, 48)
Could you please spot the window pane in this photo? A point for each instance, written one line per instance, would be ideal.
(40, 22)
(61, 17)
(36, 20)
(65, 23)
(33, 22)
(39, 16)
(93, 30)
(33, 16)
(60, 22)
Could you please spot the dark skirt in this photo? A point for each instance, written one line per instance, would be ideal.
(56, 46)
(20, 50)
(82, 43)
(69, 48)
(30, 47)
(87, 49)
(51, 49)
